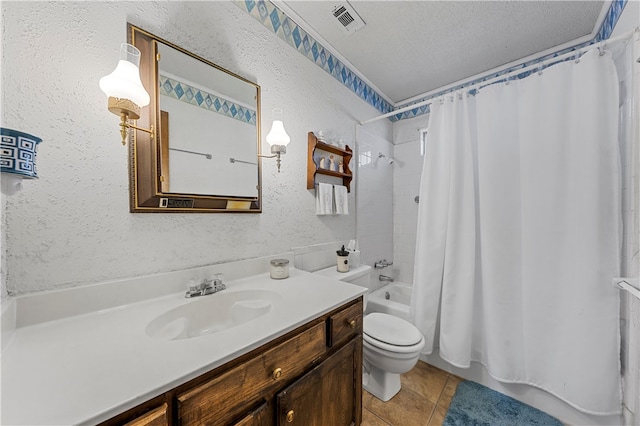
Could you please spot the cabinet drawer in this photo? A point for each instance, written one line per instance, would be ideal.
(235, 390)
(345, 324)
(156, 417)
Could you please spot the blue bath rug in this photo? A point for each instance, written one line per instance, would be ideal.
(477, 405)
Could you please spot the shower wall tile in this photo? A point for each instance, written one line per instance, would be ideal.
(406, 187)
(405, 210)
(374, 181)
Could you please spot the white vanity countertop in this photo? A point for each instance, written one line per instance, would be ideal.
(87, 368)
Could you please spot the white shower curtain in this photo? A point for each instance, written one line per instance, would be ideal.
(519, 232)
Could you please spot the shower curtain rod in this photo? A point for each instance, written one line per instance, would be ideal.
(432, 98)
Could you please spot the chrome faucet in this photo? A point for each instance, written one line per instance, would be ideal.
(207, 286)
(382, 264)
(385, 278)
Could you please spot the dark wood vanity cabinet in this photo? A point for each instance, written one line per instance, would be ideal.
(310, 376)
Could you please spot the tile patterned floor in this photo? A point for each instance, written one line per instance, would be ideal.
(423, 400)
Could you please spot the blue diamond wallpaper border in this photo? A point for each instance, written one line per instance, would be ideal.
(291, 33)
(610, 20)
(200, 98)
(286, 29)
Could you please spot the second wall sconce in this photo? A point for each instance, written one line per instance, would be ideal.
(125, 90)
(277, 138)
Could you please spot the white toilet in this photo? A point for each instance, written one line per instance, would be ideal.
(391, 345)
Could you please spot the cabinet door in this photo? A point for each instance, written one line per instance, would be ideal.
(257, 417)
(330, 394)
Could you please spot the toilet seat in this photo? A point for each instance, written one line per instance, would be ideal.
(391, 333)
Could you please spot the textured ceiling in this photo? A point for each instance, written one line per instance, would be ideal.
(408, 48)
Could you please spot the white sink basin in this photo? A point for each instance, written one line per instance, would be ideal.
(211, 314)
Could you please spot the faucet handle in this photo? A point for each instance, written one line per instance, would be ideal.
(382, 264)
(193, 288)
(193, 285)
(217, 283)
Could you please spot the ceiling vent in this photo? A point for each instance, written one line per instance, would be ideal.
(345, 16)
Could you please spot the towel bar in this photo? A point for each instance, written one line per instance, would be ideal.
(628, 284)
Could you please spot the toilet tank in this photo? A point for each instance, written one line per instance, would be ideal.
(358, 276)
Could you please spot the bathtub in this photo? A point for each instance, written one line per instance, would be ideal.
(393, 298)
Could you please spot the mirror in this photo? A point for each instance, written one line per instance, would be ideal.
(204, 154)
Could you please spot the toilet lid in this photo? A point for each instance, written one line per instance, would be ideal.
(391, 329)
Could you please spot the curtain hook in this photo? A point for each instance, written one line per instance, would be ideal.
(601, 50)
(540, 67)
(577, 61)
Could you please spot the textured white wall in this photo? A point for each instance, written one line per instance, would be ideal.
(3, 268)
(72, 226)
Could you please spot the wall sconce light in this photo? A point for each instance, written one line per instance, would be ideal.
(125, 90)
(277, 138)
(17, 159)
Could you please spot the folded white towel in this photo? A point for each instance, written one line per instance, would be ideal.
(324, 199)
(342, 205)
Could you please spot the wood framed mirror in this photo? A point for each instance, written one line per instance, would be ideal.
(204, 154)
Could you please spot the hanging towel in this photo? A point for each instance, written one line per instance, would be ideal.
(342, 206)
(324, 199)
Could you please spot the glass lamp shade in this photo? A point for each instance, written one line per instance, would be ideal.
(124, 82)
(277, 135)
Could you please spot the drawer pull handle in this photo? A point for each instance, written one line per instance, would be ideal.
(352, 323)
(277, 373)
(290, 416)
